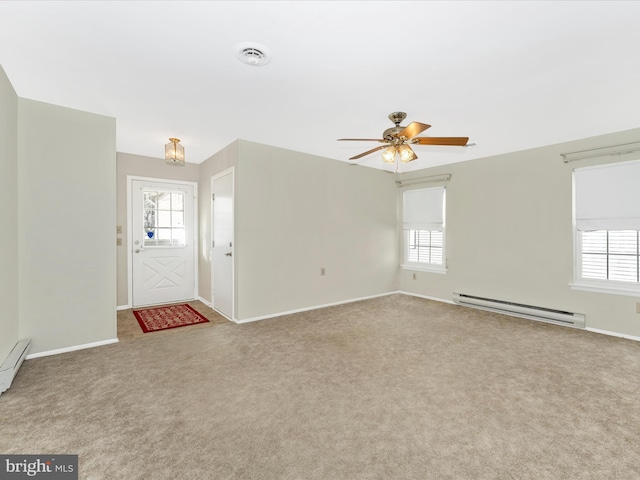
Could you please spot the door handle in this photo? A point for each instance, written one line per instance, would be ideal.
(137, 250)
(228, 254)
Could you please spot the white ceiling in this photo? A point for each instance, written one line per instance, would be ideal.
(511, 75)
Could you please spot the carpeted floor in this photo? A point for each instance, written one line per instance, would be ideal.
(390, 388)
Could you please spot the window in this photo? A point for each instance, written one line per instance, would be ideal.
(425, 246)
(424, 233)
(163, 219)
(610, 255)
(607, 219)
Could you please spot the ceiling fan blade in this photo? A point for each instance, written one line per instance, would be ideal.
(454, 141)
(368, 152)
(413, 129)
(361, 140)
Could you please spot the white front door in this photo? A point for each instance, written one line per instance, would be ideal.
(163, 242)
(222, 246)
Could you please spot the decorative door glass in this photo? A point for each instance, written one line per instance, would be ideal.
(163, 219)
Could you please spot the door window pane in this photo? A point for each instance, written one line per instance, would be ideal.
(177, 201)
(164, 201)
(163, 220)
(177, 219)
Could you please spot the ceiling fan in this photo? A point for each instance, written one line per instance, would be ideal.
(398, 140)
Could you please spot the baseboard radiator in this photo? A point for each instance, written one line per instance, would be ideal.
(558, 317)
(12, 364)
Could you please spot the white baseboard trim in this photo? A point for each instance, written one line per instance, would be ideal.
(71, 349)
(426, 297)
(613, 334)
(122, 307)
(306, 309)
(206, 302)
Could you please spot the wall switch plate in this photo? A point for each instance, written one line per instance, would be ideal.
(638, 307)
(414, 276)
(119, 229)
(118, 242)
(321, 270)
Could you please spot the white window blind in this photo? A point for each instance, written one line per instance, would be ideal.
(611, 255)
(423, 209)
(608, 197)
(425, 246)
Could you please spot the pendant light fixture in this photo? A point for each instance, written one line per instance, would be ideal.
(174, 152)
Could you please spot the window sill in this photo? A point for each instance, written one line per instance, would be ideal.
(425, 268)
(631, 291)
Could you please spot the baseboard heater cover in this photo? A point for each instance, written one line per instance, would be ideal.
(12, 364)
(550, 315)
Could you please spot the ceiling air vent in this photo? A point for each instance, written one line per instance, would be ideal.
(253, 54)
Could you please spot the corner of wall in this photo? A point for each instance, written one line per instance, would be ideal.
(9, 320)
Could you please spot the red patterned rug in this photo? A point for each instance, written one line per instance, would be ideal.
(163, 318)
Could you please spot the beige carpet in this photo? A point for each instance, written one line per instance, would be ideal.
(391, 388)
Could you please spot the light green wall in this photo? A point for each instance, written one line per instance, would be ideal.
(141, 166)
(296, 213)
(221, 161)
(8, 216)
(510, 234)
(67, 212)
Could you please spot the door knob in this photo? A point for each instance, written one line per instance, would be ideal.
(137, 250)
(228, 254)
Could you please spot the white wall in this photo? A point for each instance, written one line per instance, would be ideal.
(66, 207)
(296, 213)
(510, 234)
(8, 216)
(141, 166)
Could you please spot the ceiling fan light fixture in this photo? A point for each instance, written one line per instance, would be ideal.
(406, 153)
(389, 155)
(397, 141)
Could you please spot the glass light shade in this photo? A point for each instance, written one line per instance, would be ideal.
(406, 153)
(174, 152)
(389, 155)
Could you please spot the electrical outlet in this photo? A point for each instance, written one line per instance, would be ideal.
(638, 307)
(321, 270)
(414, 276)
(119, 229)
(118, 242)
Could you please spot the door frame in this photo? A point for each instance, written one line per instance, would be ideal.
(130, 179)
(230, 170)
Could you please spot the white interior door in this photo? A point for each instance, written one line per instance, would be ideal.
(222, 246)
(162, 241)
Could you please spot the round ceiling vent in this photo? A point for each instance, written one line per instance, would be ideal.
(253, 54)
